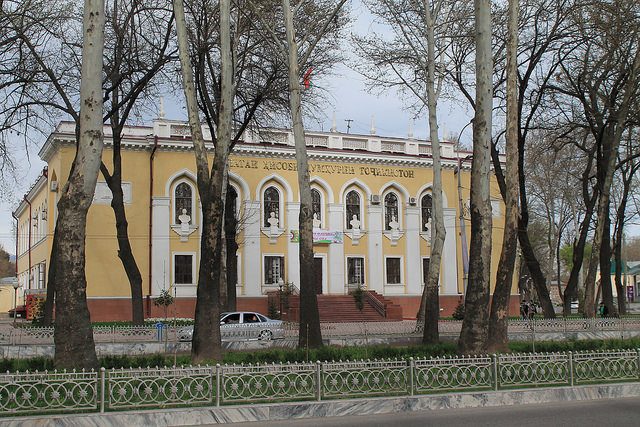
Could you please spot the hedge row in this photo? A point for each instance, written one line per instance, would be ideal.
(325, 353)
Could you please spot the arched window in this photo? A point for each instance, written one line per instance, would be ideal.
(316, 205)
(271, 204)
(183, 200)
(390, 210)
(353, 207)
(425, 205)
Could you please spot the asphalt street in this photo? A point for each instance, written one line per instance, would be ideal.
(597, 413)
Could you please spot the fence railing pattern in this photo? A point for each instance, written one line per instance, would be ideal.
(34, 335)
(124, 389)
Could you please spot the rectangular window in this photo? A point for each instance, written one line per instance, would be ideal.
(393, 271)
(41, 274)
(355, 271)
(183, 269)
(273, 269)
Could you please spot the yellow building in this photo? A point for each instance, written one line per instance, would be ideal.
(371, 197)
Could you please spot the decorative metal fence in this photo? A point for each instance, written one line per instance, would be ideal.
(161, 332)
(124, 389)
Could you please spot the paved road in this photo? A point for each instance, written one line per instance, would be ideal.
(597, 413)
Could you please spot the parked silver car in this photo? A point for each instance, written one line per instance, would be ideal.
(242, 325)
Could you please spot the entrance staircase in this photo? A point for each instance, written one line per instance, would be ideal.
(342, 308)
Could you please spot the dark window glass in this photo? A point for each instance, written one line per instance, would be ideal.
(271, 204)
(390, 210)
(426, 210)
(425, 269)
(273, 269)
(230, 319)
(183, 269)
(183, 200)
(355, 268)
(353, 208)
(315, 204)
(393, 270)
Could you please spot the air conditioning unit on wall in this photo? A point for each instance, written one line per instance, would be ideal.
(413, 201)
(375, 199)
(54, 186)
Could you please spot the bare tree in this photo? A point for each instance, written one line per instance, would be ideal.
(499, 316)
(73, 335)
(473, 336)
(411, 62)
(288, 50)
(44, 74)
(601, 74)
(628, 168)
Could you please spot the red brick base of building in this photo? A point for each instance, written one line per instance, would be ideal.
(119, 309)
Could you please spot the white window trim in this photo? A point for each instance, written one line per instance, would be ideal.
(194, 204)
(194, 262)
(364, 270)
(399, 219)
(281, 223)
(239, 283)
(401, 257)
(362, 216)
(270, 286)
(323, 204)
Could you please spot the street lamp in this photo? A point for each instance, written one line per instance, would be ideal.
(16, 285)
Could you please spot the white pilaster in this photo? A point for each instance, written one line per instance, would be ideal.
(375, 258)
(336, 250)
(413, 260)
(251, 259)
(293, 248)
(449, 274)
(160, 251)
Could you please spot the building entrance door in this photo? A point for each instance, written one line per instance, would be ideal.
(317, 269)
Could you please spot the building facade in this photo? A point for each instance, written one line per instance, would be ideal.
(371, 203)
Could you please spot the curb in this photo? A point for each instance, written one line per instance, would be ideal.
(310, 410)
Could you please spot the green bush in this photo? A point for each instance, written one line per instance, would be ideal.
(324, 354)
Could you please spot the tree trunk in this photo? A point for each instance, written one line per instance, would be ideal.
(309, 334)
(499, 317)
(430, 299)
(473, 336)
(605, 267)
(73, 337)
(125, 253)
(571, 291)
(206, 345)
(539, 281)
(51, 284)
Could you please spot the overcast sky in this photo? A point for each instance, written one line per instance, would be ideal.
(348, 98)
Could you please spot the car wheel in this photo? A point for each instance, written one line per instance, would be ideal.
(265, 336)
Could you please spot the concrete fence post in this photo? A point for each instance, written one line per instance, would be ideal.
(102, 389)
(318, 381)
(412, 375)
(218, 384)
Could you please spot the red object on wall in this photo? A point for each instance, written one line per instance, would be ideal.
(34, 305)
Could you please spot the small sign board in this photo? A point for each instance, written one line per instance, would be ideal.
(320, 236)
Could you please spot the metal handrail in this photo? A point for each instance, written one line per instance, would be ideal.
(375, 303)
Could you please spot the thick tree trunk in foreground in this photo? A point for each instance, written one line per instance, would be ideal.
(473, 336)
(309, 334)
(206, 344)
(73, 337)
(499, 317)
